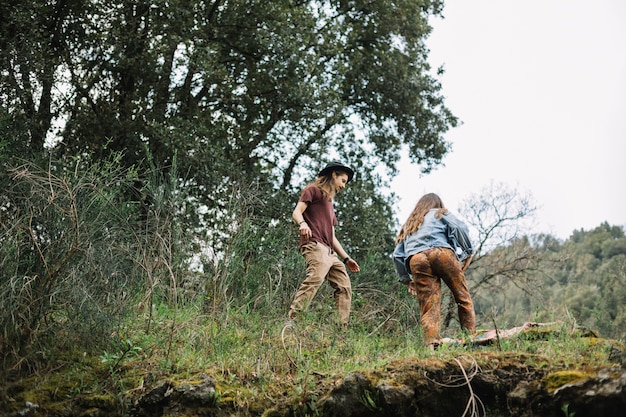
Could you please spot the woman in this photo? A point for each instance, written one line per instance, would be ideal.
(433, 245)
(324, 256)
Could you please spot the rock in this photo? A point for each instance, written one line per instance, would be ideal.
(199, 394)
(412, 388)
(168, 398)
(354, 396)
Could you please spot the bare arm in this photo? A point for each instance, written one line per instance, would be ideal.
(298, 217)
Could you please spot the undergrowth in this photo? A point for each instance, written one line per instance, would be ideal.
(117, 307)
(241, 347)
(257, 359)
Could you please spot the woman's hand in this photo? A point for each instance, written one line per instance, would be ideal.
(467, 262)
(352, 265)
(305, 230)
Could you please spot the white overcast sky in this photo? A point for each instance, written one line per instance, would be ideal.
(540, 89)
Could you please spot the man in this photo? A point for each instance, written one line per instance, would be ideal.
(324, 256)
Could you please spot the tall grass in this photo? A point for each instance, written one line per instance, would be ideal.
(92, 270)
(62, 240)
(80, 254)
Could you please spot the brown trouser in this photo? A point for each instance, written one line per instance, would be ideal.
(323, 263)
(428, 269)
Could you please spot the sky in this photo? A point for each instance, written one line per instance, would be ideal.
(540, 89)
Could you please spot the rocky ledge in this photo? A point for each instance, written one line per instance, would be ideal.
(476, 384)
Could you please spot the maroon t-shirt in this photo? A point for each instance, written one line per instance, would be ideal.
(319, 215)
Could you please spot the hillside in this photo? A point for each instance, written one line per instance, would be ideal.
(539, 371)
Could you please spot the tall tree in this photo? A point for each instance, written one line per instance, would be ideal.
(241, 90)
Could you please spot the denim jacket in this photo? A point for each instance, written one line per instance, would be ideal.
(447, 232)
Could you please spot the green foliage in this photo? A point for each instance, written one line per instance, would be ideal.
(582, 278)
(55, 253)
(516, 278)
(76, 254)
(62, 227)
(221, 112)
(132, 297)
(257, 364)
(164, 145)
(566, 412)
(597, 271)
(246, 93)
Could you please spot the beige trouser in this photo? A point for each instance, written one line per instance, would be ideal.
(322, 263)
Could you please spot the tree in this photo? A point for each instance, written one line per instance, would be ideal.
(242, 91)
(518, 277)
(499, 217)
(595, 288)
(499, 214)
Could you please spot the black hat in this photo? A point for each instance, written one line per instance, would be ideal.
(336, 166)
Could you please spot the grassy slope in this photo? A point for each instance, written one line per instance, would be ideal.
(258, 364)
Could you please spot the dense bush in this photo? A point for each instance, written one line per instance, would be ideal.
(65, 253)
(80, 257)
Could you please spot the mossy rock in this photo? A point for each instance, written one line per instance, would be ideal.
(99, 401)
(558, 379)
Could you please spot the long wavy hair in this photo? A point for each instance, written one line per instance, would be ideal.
(416, 218)
(324, 183)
